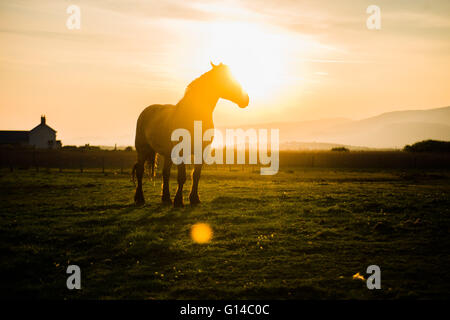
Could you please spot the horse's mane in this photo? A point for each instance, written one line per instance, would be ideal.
(197, 82)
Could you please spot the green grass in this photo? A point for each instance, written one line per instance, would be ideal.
(301, 234)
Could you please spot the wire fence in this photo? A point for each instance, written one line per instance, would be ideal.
(122, 161)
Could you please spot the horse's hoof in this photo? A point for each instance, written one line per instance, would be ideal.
(139, 202)
(178, 204)
(194, 200)
(139, 198)
(165, 197)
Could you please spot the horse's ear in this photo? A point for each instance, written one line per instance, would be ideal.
(212, 64)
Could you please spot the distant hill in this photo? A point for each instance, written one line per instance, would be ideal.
(388, 130)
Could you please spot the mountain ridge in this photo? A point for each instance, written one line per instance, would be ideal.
(393, 129)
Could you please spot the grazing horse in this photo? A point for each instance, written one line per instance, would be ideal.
(157, 122)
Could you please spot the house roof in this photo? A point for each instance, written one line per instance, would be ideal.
(43, 125)
(14, 137)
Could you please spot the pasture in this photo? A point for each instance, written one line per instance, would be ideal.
(301, 234)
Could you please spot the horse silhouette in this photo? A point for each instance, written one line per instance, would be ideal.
(157, 122)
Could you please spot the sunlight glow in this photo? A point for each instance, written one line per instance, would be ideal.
(254, 54)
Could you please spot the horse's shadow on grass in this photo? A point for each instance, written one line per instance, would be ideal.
(104, 207)
(144, 242)
(121, 246)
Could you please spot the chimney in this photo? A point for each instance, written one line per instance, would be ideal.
(43, 120)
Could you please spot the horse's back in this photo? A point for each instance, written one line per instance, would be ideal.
(153, 127)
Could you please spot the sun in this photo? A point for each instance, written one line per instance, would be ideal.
(255, 55)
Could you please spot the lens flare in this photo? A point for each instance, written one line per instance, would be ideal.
(201, 233)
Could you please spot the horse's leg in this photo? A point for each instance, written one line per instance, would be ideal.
(139, 167)
(166, 176)
(178, 201)
(193, 197)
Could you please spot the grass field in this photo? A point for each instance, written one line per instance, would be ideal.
(298, 235)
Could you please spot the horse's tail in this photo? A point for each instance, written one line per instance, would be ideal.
(151, 159)
(133, 173)
(152, 162)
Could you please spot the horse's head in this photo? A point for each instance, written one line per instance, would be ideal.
(228, 87)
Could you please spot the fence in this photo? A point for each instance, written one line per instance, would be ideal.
(104, 160)
(366, 159)
(67, 159)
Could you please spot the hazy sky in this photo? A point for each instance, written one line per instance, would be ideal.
(299, 60)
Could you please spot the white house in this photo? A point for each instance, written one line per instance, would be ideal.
(43, 137)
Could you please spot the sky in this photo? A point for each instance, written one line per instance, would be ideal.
(298, 60)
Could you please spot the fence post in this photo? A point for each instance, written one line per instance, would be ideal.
(103, 164)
